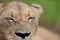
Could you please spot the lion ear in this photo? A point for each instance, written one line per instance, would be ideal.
(2, 5)
(37, 9)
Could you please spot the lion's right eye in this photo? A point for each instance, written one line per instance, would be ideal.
(10, 19)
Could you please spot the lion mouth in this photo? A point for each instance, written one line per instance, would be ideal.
(22, 35)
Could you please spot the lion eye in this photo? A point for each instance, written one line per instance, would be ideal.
(10, 19)
(30, 19)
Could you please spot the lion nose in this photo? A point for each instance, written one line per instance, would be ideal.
(22, 35)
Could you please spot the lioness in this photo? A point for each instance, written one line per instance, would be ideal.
(19, 21)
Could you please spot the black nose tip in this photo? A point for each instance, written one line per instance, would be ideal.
(22, 35)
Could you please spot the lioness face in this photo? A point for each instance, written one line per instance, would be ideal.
(19, 21)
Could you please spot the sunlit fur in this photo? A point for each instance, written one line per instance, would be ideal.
(20, 22)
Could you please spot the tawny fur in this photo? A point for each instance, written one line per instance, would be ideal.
(20, 12)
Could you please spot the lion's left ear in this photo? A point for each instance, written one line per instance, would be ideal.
(37, 9)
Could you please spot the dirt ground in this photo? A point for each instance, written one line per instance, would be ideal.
(45, 34)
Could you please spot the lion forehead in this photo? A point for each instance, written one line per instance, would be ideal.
(20, 10)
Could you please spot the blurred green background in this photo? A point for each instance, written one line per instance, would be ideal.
(51, 13)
